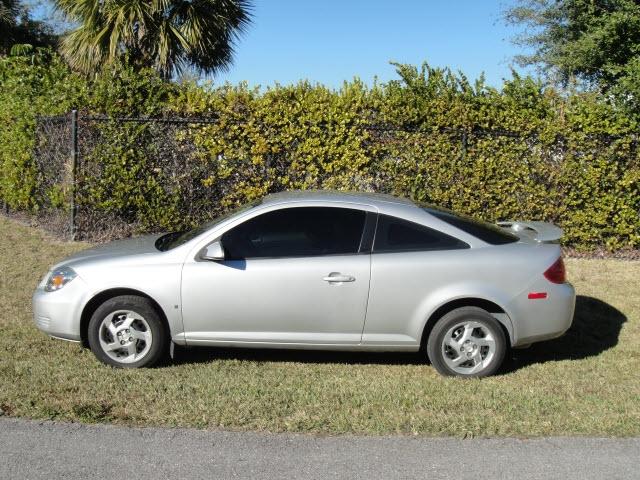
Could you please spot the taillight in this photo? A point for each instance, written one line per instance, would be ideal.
(556, 273)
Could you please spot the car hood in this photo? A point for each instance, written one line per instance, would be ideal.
(116, 249)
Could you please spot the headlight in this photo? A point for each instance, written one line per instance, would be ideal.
(59, 278)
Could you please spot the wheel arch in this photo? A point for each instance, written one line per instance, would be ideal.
(500, 314)
(98, 299)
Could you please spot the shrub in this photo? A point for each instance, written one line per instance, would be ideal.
(521, 152)
(30, 85)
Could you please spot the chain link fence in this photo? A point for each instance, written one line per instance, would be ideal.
(80, 161)
(102, 177)
(55, 174)
(75, 156)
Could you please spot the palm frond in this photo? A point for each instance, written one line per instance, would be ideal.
(168, 35)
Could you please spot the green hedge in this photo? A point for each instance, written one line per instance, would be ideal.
(29, 86)
(521, 152)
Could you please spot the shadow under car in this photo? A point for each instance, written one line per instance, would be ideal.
(595, 328)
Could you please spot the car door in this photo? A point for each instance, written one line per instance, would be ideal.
(294, 275)
(409, 262)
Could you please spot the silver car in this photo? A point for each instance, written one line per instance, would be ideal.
(317, 270)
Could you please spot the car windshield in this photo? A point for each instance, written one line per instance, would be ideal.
(485, 231)
(175, 239)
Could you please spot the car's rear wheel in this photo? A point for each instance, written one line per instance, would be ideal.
(127, 332)
(467, 342)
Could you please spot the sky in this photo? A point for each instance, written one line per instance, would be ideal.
(331, 41)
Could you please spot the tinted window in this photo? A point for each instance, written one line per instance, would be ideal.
(484, 231)
(175, 239)
(394, 235)
(296, 232)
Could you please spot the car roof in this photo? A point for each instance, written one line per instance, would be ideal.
(334, 196)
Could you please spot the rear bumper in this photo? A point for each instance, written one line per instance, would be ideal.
(536, 320)
(58, 313)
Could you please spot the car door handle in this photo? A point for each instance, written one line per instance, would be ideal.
(336, 277)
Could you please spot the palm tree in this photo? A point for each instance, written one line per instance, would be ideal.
(18, 29)
(8, 12)
(171, 36)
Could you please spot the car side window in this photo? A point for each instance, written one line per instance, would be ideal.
(296, 232)
(397, 235)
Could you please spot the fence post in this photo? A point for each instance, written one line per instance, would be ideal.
(74, 170)
(463, 145)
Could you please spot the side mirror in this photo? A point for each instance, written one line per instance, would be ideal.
(213, 252)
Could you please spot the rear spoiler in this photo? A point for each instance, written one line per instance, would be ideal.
(538, 231)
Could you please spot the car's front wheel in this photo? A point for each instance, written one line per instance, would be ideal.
(127, 332)
(467, 342)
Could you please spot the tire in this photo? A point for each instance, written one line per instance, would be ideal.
(127, 332)
(467, 342)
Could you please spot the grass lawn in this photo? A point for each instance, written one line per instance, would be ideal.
(586, 383)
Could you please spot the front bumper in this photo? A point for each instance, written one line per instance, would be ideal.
(58, 313)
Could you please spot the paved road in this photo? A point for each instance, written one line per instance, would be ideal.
(30, 449)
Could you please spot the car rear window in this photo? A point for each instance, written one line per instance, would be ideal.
(486, 232)
(398, 235)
